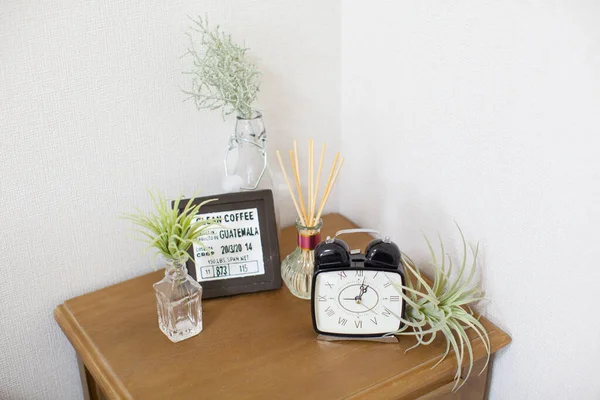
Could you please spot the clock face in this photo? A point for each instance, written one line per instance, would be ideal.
(357, 302)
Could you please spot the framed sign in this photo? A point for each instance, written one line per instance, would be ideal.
(242, 256)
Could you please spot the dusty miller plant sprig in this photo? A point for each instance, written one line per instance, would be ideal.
(444, 308)
(222, 77)
(171, 231)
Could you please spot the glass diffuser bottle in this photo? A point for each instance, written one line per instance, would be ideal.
(298, 267)
(178, 302)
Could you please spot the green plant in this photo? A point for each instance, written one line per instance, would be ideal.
(170, 231)
(444, 308)
(222, 76)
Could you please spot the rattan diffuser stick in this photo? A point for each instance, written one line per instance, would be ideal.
(308, 212)
(290, 188)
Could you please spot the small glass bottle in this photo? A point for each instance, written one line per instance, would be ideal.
(178, 302)
(298, 267)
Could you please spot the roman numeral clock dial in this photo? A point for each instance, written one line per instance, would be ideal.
(361, 302)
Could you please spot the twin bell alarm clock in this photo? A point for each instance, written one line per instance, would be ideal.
(355, 294)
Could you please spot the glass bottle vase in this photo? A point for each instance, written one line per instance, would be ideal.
(298, 267)
(178, 302)
(246, 164)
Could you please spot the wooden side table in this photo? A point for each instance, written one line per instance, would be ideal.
(254, 346)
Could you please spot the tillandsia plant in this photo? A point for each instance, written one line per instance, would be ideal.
(170, 231)
(444, 307)
(222, 75)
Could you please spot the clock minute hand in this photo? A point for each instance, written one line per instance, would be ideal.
(363, 290)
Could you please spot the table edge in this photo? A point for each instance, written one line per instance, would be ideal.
(112, 387)
(384, 389)
(90, 356)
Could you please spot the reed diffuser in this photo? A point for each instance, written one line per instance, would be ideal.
(298, 267)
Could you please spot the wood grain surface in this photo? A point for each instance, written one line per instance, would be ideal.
(253, 346)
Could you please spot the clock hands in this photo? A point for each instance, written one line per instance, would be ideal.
(371, 298)
(363, 287)
(363, 290)
(358, 299)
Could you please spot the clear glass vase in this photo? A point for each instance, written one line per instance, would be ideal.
(246, 164)
(178, 302)
(298, 267)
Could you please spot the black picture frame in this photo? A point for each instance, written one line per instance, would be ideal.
(262, 200)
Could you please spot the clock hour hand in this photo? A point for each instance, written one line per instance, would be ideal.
(357, 299)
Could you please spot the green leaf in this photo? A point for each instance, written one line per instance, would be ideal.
(443, 307)
(168, 230)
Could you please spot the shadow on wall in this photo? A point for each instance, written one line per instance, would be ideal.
(407, 213)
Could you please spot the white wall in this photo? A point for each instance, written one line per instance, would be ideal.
(482, 112)
(91, 115)
(488, 113)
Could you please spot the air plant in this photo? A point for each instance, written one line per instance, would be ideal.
(169, 231)
(443, 308)
(222, 76)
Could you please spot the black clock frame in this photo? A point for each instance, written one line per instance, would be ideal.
(345, 269)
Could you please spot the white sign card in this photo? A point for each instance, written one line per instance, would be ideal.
(231, 251)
